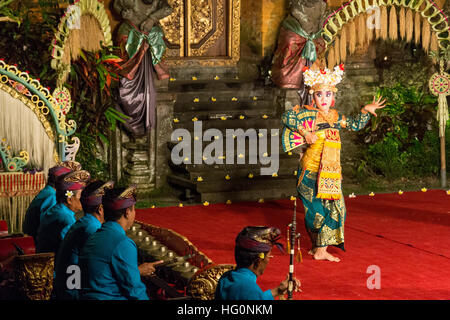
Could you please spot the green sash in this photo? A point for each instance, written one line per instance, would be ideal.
(154, 39)
(309, 51)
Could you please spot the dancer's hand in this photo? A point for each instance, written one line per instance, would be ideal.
(375, 105)
(310, 137)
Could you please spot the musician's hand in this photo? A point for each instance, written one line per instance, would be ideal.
(282, 288)
(148, 268)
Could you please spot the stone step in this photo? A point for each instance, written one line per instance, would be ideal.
(225, 114)
(243, 105)
(250, 195)
(212, 86)
(252, 123)
(204, 73)
(236, 173)
(229, 95)
(245, 184)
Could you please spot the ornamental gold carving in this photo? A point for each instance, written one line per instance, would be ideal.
(203, 284)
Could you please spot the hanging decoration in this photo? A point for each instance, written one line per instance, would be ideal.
(391, 19)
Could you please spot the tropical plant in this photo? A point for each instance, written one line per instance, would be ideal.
(403, 139)
(92, 80)
(7, 13)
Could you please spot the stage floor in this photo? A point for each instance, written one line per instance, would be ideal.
(407, 236)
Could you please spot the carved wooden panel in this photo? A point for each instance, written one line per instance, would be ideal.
(202, 32)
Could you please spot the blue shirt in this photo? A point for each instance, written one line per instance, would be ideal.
(44, 200)
(240, 284)
(109, 266)
(69, 251)
(55, 222)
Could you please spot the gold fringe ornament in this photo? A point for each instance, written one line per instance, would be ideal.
(343, 45)
(393, 24)
(426, 36)
(351, 37)
(402, 23)
(384, 23)
(417, 24)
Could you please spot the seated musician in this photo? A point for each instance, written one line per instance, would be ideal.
(91, 201)
(56, 221)
(252, 254)
(109, 259)
(46, 198)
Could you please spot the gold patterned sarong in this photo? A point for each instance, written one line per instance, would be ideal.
(329, 178)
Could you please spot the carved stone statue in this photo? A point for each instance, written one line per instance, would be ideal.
(142, 46)
(299, 44)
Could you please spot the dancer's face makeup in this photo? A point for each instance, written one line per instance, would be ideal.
(324, 99)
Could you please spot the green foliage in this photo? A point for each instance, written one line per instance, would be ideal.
(7, 13)
(91, 82)
(403, 140)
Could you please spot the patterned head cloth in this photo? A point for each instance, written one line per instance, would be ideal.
(75, 180)
(259, 239)
(92, 195)
(62, 168)
(119, 198)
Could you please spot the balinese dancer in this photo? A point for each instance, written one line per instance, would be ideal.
(319, 175)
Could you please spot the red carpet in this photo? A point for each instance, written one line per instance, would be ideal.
(407, 236)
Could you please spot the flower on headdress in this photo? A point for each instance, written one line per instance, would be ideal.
(341, 66)
(69, 194)
(305, 68)
(323, 71)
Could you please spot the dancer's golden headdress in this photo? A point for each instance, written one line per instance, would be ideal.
(323, 78)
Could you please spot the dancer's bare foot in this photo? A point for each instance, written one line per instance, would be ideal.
(322, 254)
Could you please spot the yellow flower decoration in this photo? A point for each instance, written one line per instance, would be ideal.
(176, 120)
(261, 255)
(292, 198)
(196, 99)
(196, 138)
(250, 175)
(180, 205)
(186, 159)
(240, 155)
(261, 200)
(223, 118)
(172, 79)
(241, 117)
(216, 78)
(400, 192)
(194, 78)
(221, 157)
(424, 189)
(213, 99)
(199, 179)
(289, 153)
(228, 202)
(206, 203)
(234, 99)
(153, 207)
(255, 98)
(274, 175)
(448, 192)
(265, 154)
(295, 172)
(194, 119)
(265, 116)
(371, 194)
(204, 158)
(227, 177)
